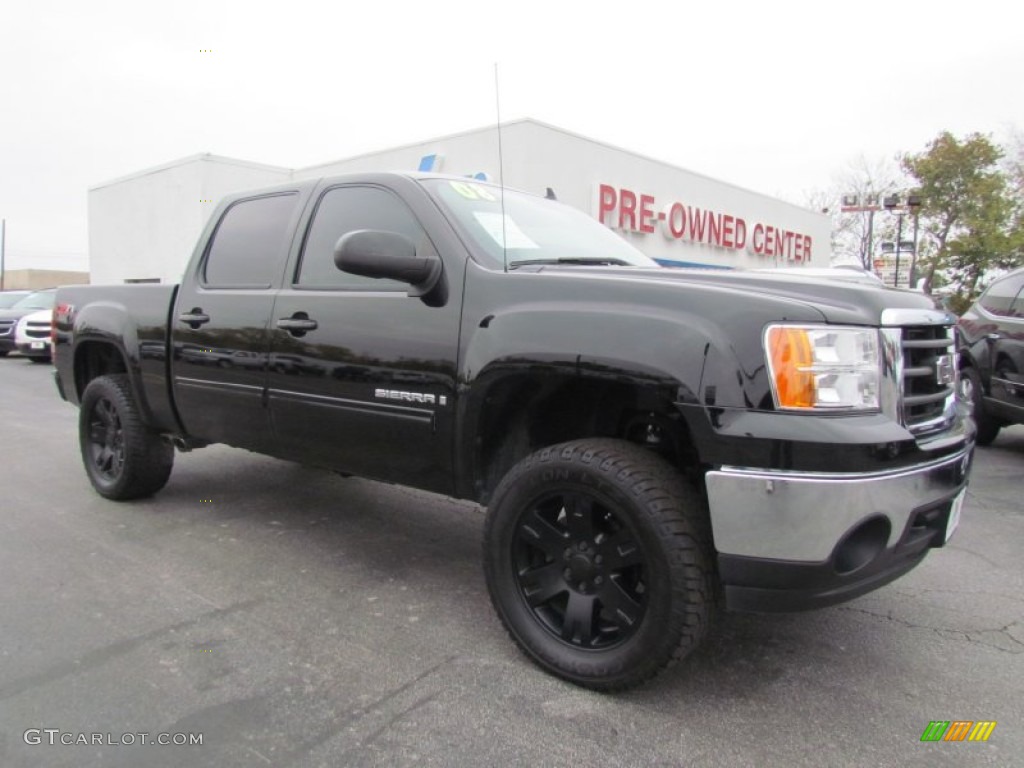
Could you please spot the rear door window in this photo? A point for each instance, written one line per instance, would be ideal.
(250, 245)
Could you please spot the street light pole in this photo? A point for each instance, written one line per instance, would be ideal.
(892, 203)
(871, 237)
(914, 203)
(3, 249)
(899, 242)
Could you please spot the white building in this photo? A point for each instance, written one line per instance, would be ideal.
(143, 227)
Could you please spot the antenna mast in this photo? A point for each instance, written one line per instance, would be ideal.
(501, 170)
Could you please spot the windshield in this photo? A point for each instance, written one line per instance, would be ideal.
(37, 300)
(10, 299)
(536, 230)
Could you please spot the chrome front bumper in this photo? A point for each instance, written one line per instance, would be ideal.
(802, 517)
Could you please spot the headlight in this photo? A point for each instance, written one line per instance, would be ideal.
(823, 367)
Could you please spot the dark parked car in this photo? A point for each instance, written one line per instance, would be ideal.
(9, 318)
(992, 356)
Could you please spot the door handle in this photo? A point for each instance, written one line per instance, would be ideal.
(194, 318)
(297, 324)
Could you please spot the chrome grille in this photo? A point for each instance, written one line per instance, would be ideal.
(928, 373)
(919, 369)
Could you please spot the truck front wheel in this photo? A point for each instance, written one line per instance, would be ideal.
(598, 562)
(123, 458)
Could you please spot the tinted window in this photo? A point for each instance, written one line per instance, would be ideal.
(251, 242)
(999, 298)
(345, 209)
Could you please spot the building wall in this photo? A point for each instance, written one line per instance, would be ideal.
(145, 226)
(693, 219)
(35, 279)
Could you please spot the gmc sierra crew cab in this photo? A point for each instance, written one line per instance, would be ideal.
(652, 444)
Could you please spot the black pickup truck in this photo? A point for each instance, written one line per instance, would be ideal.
(652, 444)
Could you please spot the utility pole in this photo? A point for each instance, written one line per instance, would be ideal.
(914, 203)
(893, 205)
(899, 242)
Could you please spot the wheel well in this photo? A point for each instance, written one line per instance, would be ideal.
(523, 413)
(95, 358)
(1004, 359)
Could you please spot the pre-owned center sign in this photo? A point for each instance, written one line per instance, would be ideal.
(627, 210)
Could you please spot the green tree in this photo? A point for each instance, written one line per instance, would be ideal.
(968, 211)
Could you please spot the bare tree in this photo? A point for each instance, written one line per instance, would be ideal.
(854, 234)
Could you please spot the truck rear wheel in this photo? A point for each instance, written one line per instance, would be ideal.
(123, 458)
(598, 562)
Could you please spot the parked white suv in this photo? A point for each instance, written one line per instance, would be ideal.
(32, 336)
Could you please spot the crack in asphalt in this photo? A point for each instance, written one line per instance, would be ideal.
(958, 548)
(917, 591)
(375, 708)
(100, 656)
(969, 635)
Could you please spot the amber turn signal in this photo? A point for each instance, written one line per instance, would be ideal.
(792, 360)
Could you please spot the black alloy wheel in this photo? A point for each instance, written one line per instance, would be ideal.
(123, 458)
(106, 440)
(580, 569)
(599, 562)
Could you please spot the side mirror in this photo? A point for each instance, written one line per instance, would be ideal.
(379, 254)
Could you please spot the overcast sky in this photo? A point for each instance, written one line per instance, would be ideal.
(775, 96)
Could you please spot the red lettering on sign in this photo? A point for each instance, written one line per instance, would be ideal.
(741, 233)
(727, 231)
(606, 199)
(677, 220)
(636, 212)
(646, 213)
(698, 221)
(627, 208)
(780, 242)
(714, 228)
(758, 240)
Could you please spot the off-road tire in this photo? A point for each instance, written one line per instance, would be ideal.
(123, 458)
(599, 562)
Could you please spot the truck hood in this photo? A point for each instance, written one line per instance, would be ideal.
(839, 301)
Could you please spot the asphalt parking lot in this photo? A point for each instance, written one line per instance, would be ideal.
(295, 618)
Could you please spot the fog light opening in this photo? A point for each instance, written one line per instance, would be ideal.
(862, 545)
